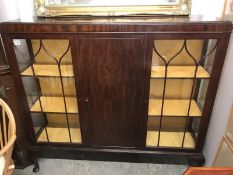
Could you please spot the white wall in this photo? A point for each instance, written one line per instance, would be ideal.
(14, 9)
(25, 9)
(8, 10)
(210, 9)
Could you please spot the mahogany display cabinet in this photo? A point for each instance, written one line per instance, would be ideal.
(130, 86)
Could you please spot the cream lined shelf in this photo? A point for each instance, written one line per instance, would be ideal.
(169, 139)
(178, 72)
(56, 134)
(55, 105)
(173, 108)
(45, 70)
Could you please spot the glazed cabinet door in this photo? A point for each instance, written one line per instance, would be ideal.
(184, 75)
(114, 75)
(45, 80)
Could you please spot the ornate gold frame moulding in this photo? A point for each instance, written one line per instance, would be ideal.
(181, 7)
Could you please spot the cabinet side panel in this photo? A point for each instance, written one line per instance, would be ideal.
(212, 89)
(21, 149)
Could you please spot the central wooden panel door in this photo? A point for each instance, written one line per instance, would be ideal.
(114, 74)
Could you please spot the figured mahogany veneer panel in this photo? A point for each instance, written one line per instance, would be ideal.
(115, 83)
(170, 24)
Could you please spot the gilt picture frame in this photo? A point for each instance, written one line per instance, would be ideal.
(54, 8)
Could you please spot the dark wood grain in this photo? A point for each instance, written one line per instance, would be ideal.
(81, 87)
(21, 148)
(3, 60)
(147, 76)
(115, 88)
(125, 155)
(158, 25)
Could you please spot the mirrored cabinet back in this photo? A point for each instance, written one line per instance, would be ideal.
(127, 89)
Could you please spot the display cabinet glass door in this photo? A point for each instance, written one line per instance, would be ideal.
(48, 79)
(180, 74)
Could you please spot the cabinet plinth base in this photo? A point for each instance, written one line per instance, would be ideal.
(122, 155)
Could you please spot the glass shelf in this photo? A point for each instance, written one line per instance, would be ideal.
(59, 134)
(169, 139)
(55, 105)
(45, 70)
(178, 72)
(173, 108)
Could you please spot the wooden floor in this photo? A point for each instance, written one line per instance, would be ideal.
(169, 139)
(60, 135)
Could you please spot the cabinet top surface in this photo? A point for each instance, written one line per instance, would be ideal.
(123, 24)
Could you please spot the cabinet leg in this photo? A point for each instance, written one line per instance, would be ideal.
(196, 160)
(35, 162)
